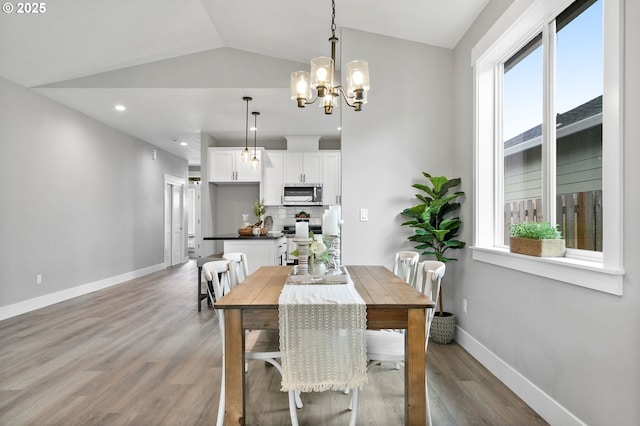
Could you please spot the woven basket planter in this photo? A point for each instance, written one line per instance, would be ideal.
(443, 328)
(540, 248)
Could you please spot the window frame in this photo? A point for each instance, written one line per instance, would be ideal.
(520, 23)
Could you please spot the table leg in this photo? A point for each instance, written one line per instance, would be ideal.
(234, 367)
(415, 369)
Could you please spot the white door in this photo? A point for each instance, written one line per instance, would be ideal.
(176, 225)
(175, 243)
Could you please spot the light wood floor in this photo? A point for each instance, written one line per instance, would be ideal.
(141, 354)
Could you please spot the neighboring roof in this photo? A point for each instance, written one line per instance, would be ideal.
(580, 113)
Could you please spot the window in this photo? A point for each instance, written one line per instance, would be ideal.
(548, 143)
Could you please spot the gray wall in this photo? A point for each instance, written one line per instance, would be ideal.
(579, 346)
(81, 201)
(405, 129)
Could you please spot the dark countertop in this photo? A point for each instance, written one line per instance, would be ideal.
(242, 237)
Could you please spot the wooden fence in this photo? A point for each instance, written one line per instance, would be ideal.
(578, 215)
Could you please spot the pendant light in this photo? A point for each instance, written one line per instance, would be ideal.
(246, 154)
(255, 163)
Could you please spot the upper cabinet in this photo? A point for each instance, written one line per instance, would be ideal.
(287, 167)
(331, 178)
(226, 165)
(272, 177)
(303, 167)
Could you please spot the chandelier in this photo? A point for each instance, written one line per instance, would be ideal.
(246, 154)
(321, 79)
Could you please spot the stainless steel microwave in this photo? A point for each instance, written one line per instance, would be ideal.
(302, 194)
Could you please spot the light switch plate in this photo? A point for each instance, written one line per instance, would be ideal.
(364, 215)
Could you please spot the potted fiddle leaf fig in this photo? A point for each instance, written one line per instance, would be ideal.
(436, 225)
(536, 239)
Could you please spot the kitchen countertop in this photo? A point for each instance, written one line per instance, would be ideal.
(242, 237)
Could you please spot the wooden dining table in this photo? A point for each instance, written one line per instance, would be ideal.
(391, 304)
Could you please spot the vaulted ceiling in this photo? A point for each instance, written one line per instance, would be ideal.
(89, 55)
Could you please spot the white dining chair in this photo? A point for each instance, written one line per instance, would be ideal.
(386, 345)
(239, 265)
(405, 264)
(223, 271)
(259, 345)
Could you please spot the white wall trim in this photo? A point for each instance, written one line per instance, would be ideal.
(60, 296)
(548, 408)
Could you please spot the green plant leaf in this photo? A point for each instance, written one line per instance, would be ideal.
(435, 221)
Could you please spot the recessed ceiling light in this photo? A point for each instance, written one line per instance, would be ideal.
(120, 107)
(183, 143)
(339, 128)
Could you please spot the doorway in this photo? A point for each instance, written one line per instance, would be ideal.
(174, 241)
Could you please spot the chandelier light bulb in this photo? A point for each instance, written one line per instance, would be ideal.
(301, 87)
(321, 75)
(358, 78)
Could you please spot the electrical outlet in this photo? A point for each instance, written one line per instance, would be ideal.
(364, 215)
(464, 305)
(39, 279)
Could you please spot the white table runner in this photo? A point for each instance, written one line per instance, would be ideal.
(322, 337)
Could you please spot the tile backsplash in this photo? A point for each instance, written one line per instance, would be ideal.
(283, 216)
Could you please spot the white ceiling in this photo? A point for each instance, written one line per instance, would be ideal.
(78, 38)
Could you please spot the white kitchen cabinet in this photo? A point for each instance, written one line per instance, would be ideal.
(303, 167)
(272, 177)
(331, 178)
(260, 252)
(226, 165)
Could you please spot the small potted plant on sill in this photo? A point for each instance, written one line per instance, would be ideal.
(436, 227)
(540, 239)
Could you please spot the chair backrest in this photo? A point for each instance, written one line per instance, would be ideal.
(428, 278)
(223, 268)
(239, 265)
(405, 264)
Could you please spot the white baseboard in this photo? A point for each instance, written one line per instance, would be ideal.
(548, 408)
(60, 296)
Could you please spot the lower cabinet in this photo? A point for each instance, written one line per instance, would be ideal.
(267, 252)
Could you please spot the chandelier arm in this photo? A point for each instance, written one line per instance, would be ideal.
(356, 105)
(315, 98)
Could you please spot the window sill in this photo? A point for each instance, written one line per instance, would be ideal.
(583, 273)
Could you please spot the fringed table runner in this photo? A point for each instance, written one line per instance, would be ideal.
(322, 337)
